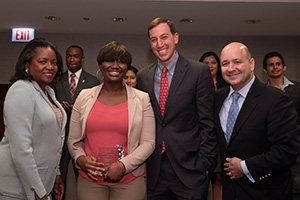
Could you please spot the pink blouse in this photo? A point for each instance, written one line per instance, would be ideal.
(59, 116)
(106, 126)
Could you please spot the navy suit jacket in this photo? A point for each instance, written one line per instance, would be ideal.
(187, 126)
(265, 136)
(62, 88)
(293, 91)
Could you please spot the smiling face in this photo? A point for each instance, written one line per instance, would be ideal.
(43, 66)
(237, 65)
(213, 65)
(113, 71)
(275, 68)
(163, 43)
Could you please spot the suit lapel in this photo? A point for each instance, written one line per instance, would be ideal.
(66, 88)
(180, 70)
(150, 81)
(80, 84)
(248, 107)
(219, 100)
(131, 107)
(79, 87)
(90, 99)
(52, 96)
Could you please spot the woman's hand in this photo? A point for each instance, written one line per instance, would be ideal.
(115, 172)
(90, 166)
(59, 188)
(38, 198)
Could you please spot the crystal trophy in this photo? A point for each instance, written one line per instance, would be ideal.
(109, 155)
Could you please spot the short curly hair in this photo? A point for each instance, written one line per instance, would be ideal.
(114, 51)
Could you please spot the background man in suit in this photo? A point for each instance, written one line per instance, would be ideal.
(259, 148)
(83, 80)
(185, 139)
(274, 66)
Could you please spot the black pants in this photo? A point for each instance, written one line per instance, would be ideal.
(170, 187)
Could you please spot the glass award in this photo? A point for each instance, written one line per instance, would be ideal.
(109, 155)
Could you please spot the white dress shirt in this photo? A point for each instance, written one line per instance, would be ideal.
(223, 115)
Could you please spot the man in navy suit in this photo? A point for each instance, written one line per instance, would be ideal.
(74, 60)
(274, 66)
(185, 151)
(258, 153)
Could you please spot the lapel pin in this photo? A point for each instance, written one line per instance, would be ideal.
(83, 81)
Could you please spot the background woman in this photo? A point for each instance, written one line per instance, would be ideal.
(130, 77)
(34, 126)
(105, 116)
(212, 60)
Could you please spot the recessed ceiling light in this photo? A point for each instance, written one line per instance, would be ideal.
(119, 19)
(187, 20)
(252, 21)
(52, 18)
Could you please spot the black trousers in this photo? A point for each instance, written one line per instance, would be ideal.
(170, 187)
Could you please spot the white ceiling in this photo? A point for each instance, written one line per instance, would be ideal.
(218, 17)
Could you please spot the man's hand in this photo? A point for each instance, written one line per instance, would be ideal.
(68, 108)
(233, 168)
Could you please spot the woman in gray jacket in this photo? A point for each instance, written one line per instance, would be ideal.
(34, 127)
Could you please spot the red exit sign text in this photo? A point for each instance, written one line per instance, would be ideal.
(22, 34)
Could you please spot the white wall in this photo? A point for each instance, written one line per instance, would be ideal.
(189, 46)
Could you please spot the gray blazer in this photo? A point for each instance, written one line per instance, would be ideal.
(31, 148)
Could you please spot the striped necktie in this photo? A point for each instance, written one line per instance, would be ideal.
(72, 85)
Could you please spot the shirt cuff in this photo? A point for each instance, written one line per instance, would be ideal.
(246, 171)
(58, 172)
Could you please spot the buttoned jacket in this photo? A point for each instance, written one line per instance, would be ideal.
(187, 127)
(265, 136)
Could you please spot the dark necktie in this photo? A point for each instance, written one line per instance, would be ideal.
(163, 94)
(72, 85)
(232, 115)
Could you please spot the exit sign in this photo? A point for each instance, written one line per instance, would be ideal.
(22, 34)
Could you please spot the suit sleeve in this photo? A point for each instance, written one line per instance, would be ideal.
(75, 138)
(282, 131)
(18, 113)
(205, 107)
(146, 138)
